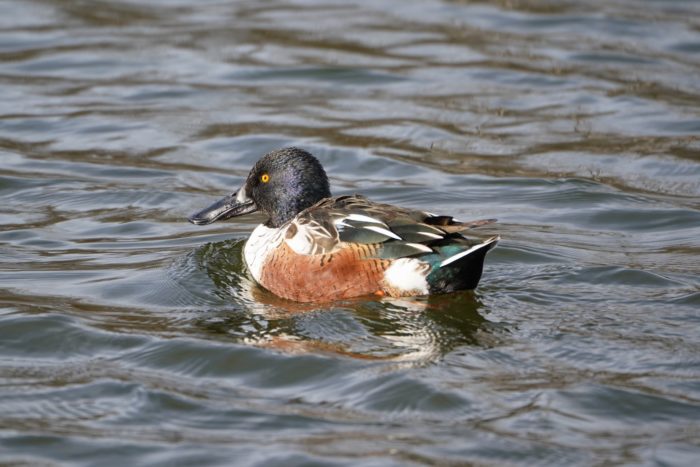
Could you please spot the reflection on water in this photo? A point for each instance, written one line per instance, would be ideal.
(128, 336)
(414, 329)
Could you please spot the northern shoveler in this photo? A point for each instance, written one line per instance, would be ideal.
(315, 247)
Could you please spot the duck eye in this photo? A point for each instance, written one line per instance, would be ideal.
(265, 178)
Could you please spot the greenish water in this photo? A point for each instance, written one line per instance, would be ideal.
(130, 337)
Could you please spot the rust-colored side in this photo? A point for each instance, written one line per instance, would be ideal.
(346, 273)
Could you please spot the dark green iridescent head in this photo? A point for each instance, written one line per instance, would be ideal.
(281, 184)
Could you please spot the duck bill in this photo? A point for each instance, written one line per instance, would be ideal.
(234, 205)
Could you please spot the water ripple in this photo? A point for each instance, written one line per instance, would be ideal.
(130, 336)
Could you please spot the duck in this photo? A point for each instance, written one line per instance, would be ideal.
(314, 247)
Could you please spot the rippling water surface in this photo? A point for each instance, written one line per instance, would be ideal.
(130, 337)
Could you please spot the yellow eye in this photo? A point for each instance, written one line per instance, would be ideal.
(265, 178)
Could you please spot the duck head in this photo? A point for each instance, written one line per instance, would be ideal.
(281, 184)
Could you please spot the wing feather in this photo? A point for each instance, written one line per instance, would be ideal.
(395, 232)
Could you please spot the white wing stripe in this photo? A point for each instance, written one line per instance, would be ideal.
(362, 218)
(430, 234)
(462, 254)
(382, 231)
(420, 247)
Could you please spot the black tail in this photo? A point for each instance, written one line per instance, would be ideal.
(461, 271)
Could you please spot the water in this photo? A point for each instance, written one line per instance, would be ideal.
(130, 337)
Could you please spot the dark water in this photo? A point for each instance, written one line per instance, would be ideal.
(130, 337)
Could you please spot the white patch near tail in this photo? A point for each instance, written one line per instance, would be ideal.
(408, 275)
(471, 250)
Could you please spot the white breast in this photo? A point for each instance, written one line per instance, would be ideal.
(262, 241)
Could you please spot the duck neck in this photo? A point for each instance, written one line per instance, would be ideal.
(288, 206)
